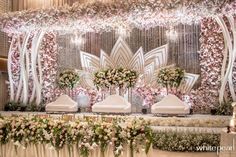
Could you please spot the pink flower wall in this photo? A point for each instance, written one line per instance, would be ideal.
(211, 59)
(49, 56)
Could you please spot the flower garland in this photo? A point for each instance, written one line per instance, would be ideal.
(90, 16)
(86, 134)
(120, 77)
(68, 79)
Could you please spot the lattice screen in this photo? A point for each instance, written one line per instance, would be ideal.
(5, 6)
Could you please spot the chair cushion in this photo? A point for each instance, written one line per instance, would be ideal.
(63, 104)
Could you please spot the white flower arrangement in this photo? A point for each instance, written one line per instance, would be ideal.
(120, 77)
(68, 79)
(84, 133)
(170, 77)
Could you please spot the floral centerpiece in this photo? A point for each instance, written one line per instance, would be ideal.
(121, 77)
(68, 79)
(170, 77)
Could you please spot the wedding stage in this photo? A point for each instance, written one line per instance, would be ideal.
(120, 78)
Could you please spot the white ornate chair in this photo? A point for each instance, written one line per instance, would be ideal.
(63, 104)
(112, 104)
(170, 105)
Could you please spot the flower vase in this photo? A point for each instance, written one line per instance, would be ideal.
(122, 91)
(102, 94)
(112, 90)
(130, 95)
(70, 93)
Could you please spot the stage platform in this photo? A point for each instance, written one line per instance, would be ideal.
(194, 123)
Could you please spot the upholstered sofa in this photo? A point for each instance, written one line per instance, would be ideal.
(63, 104)
(170, 105)
(112, 104)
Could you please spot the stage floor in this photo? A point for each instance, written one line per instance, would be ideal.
(195, 123)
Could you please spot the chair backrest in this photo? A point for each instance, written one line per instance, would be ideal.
(115, 99)
(65, 99)
(171, 100)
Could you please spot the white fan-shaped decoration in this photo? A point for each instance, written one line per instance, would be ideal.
(121, 53)
(137, 62)
(89, 62)
(158, 56)
(86, 79)
(148, 72)
(105, 60)
(188, 82)
(122, 56)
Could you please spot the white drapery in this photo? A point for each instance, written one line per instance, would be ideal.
(42, 150)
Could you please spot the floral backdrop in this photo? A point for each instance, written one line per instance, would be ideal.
(211, 51)
(211, 60)
(49, 67)
(203, 98)
(48, 53)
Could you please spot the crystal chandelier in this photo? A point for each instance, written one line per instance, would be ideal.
(123, 32)
(172, 34)
(78, 40)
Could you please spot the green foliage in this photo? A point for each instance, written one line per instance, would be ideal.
(14, 106)
(184, 141)
(19, 106)
(224, 108)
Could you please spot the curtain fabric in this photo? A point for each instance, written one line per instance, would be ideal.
(43, 150)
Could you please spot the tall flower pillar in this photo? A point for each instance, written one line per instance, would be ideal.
(229, 33)
(32, 66)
